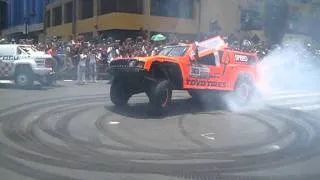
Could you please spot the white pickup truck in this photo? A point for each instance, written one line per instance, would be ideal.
(24, 64)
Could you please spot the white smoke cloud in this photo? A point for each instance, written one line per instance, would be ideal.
(290, 68)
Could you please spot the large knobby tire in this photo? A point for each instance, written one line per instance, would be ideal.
(243, 91)
(24, 77)
(118, 92)
(160, 95)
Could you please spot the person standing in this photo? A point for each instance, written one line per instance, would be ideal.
(93, 66)
(82, 67)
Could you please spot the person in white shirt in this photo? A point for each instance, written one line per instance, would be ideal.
(82, 67)
(93, 67)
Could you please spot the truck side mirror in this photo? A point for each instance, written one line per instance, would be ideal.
(194, 53)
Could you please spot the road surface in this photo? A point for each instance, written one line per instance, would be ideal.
(74, 132)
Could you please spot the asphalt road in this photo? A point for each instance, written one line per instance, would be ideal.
(74, 132)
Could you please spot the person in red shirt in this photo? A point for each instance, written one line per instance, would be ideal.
(50, 51)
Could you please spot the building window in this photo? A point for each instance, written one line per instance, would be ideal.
(126, 6)
(57, 16)
(18, 12)
(172, 8)
(108, 6)
(68, 12)
(3, 15)
(86, 9)
(251, 20)
(131, 6)
(48, 18)
(33, 7)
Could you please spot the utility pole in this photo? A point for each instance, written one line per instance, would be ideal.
(26, 17)
(26, 25)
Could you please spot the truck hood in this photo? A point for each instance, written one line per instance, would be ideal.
(158, 58)
(151, 58)
(40, 55)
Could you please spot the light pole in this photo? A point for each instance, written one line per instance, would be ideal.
(26, 25)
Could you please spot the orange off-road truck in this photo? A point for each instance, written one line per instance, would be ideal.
(200, 68)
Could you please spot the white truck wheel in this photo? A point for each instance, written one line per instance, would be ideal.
(24, 77)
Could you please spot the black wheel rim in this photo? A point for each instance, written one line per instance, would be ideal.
(164, 97)
(22, 79)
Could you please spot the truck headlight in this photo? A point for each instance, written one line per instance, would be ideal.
(138, 64)
(132, 63)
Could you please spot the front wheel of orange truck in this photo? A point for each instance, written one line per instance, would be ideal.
(118, 93)
(160, 95)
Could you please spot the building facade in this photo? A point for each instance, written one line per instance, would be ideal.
(305, 18)
(24, 17)
(3, 14)
(69, 17)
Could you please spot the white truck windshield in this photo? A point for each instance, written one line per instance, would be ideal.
(27, 49)
(173, 51)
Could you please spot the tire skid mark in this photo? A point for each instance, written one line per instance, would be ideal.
(83, 155)
(14, 166)
(136, 147)
(26, 139)
(109, 133)
(46, 101)
(277, 158)
(238, 148)
(186, 134)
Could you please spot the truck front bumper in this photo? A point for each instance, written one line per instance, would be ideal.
(125, 70)
(43, 71)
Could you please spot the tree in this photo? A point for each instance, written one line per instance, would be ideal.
(275, 17)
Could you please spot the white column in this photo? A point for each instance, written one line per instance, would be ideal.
(146, 7)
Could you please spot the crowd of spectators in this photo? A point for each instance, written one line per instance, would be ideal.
(68, 53)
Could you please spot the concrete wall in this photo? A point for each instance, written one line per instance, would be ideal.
(227, 12)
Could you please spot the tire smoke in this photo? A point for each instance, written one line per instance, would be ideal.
(291, 68)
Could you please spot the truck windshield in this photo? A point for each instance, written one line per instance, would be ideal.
(27, 49)
(173, 51)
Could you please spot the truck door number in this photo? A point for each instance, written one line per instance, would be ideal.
(199, 71)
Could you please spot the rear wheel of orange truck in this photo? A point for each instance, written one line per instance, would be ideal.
(244, 91)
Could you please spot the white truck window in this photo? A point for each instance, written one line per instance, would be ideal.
(24, 50)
